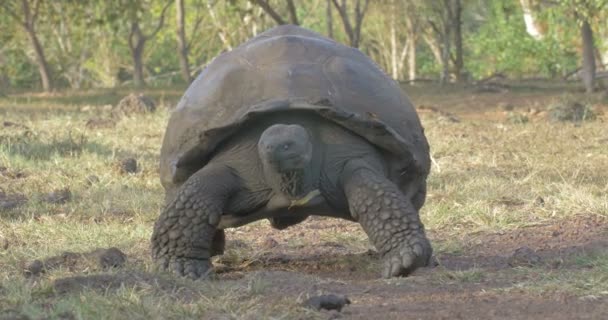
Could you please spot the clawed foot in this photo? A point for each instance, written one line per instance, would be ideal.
(191, 268)
(406, 258)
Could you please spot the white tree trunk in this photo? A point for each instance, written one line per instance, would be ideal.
(530, 21)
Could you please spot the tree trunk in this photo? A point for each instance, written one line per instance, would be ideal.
(530, 20)
(330, 20)
(588, 72)
(28, 23)
(354, 35)
(411, 58)
(137, 42)
(392, 21)
(182, 47)
(446, 40)
(293, 14)
(43, 66)
(457, 29)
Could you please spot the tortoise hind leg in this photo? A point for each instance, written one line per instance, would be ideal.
(388, 217)
(185, 235)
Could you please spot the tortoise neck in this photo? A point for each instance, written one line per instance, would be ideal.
(293, 184)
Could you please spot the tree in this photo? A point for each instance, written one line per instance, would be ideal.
(530, 20)
(354, 34)
(182, 41)
(584, 12)
(138, 39)
(30, 9)
(182, 48)
(291, 8)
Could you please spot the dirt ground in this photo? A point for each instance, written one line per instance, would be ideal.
(473, 282)
(513, 274)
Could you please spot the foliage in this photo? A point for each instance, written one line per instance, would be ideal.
(513, 51)
(87, 46)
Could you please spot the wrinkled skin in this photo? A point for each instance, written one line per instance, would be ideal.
(286, 167)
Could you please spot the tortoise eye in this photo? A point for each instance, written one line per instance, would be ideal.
(286, 146)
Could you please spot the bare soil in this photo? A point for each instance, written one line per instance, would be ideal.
(318, 267)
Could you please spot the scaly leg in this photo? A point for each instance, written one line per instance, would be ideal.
(185, 235)
(388, 217)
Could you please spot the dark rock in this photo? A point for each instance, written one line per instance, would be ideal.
(128, 165)
(35, 268)
(327, 302)
(98, 123)
(135, 103)
(111, 258)
(104, 258)
(524, 257)
(58, 196)
(11, 174)
(10, 124)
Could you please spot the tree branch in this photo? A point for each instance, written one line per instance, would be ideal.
(161, 22)
(293, 14)
(344, 17)
(268, 9)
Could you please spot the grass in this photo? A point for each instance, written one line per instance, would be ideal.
(489, 175)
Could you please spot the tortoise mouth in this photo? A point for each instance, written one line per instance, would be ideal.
(292, 183)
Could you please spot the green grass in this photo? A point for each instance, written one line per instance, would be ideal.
(488, 176)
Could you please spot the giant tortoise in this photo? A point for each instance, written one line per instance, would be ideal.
(287, 125)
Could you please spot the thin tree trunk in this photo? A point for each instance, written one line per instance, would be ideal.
(588, 72)
(411, 58)
(411, 48)
(530, 20)
(446, 42)
(354, 35)
(330, 20)
(28, 23)
(270, 11)
(293, 14)
(136, 43)
(43, 66)
(457, 29)
(394, 66)
(218, 25)
(182, 47)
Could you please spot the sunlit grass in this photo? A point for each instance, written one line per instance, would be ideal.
(488, 176)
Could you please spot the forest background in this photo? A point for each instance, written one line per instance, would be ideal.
(70, 44)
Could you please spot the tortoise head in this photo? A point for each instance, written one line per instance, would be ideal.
(286, 153)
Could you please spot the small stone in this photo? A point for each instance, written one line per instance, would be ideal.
(135, 103)
(35, 268)
(327, 302)
(539, 201)
(128, 165)
(112, 258)
(269, 243)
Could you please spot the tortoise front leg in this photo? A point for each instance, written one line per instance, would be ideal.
(185, 235)
(388, 217)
